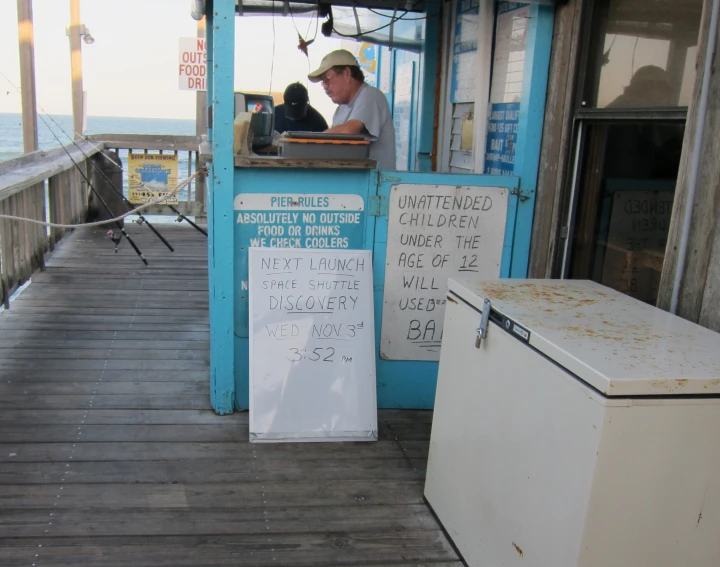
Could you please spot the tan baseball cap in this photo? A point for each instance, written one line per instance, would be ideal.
(337, 57)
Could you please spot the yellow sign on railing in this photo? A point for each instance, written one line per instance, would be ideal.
(151, 176)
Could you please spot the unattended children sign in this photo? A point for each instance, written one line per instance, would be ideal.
(192, 64)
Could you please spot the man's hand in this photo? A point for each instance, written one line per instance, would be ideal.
(350, 127)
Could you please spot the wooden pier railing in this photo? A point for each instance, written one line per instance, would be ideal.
(42, 185)
(186, 147)
(49, 186)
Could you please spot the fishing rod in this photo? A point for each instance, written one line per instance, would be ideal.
(119, 192)
(107, 179)
(170, 206)
(116, 240)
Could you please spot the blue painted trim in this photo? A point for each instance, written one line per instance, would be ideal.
(220, 210)
(532, 114)
(428, 75)
(210, 67)
(510, 227)
(390, 95)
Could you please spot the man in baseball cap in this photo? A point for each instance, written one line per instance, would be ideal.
(296, 114)
(362, 109)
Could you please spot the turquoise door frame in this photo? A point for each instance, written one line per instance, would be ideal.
(411, 383)
(429, 73)
(530, 127)
(221, 26)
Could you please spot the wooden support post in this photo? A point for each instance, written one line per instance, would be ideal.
(76, 67)
(26, 41)
(106, 177)
(6, 253)
(699, 298)
(556, 138)
(201, 126)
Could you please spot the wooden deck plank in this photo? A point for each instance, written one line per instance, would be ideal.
(117, 417)
(315, 550)
(207, 521)
(55, 375)
(111, 456)
(197, 388)
(144, 451)
(117, 313)
(16, 322)
(24, 336)
(64, 363)
(102, 354)
(116, 401)
(202, 472)
(18, 343)
(111, 434)
(219, 495)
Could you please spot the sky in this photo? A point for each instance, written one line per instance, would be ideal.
(132, 68)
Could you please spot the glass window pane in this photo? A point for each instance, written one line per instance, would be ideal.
(625, 199)
(644, 53)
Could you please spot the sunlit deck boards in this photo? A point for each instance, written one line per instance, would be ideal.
(111, 456)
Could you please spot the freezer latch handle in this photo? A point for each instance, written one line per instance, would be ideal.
(482, 329)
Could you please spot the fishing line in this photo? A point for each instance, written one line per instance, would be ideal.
(153, 201)
(141, 218)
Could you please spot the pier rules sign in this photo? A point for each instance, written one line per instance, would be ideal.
(192, 64)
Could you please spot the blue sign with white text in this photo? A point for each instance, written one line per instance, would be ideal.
(502, 131)
(279, 220)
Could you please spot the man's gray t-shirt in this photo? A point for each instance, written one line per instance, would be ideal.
(372, 109)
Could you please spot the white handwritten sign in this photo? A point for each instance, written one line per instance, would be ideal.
(435, 232)
(312, 345)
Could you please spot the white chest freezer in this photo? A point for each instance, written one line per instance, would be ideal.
(583, 431)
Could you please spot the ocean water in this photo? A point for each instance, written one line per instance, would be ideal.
(54, 131)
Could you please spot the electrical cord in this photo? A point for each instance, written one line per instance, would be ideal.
(393, 21)
(368, 31)
(359, 5)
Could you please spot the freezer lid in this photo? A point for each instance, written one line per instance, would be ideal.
(617, 344)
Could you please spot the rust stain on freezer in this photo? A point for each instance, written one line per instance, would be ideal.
(533, 292)
(517, 548)
(670, 385)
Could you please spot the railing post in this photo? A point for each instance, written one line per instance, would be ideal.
(200, 191)
(6, 261)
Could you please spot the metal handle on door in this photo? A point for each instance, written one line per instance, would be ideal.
(482, 329)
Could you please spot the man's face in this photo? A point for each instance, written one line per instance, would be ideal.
(338, 86)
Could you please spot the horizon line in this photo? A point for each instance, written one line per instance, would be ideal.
(100, 116)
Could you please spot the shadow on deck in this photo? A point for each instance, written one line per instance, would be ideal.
(111, 456)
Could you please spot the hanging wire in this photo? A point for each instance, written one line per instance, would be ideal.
(394, 20)
(307, 32)
(359, 5)
(632, 63)
(272, 61)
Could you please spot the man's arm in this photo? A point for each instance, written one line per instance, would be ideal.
(350, 127)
